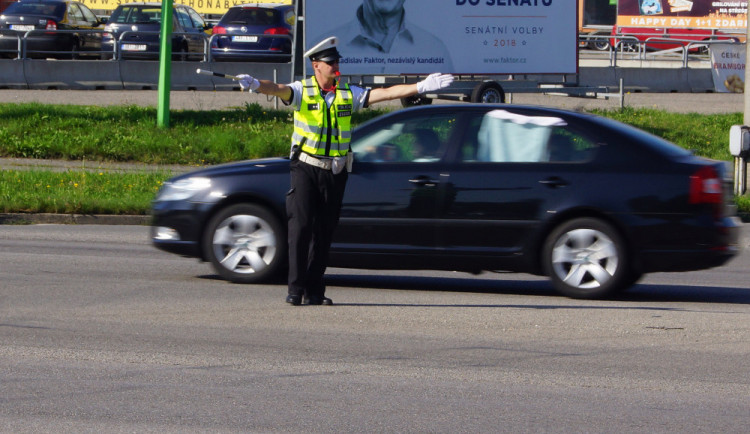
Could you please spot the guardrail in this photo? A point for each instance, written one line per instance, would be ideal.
(596, 68)
(177, 49)
(626, 47)
(22, 50)
(630, 47)
(129, 74)
(75, 46)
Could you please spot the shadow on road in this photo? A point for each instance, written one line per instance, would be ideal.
(644, 292)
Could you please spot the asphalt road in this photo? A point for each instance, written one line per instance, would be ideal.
(207, 100)
(100, 332)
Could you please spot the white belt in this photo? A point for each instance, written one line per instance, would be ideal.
(324, 164)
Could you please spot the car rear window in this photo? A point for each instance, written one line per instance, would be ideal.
(50, 9)
(136, 15)
(661, 145)
(251, 16)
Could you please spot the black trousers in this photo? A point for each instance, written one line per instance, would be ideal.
(313, 206)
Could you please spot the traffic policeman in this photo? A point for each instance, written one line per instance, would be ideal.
(321, 158)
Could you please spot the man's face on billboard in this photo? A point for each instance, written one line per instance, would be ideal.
(386, 7)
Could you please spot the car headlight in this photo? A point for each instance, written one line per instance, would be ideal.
(183, 189)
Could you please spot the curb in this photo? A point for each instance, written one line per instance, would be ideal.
(76, 219)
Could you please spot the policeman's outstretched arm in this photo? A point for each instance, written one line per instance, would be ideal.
(268, 87)
(432, 83)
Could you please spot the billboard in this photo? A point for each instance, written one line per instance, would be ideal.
(728, 67)
(451, 36)
(696, 14)
(205, 7)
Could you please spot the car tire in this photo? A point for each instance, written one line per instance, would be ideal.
(599, 45)
(488, 92)
(587, 258)
(246, 243)
(598, 41)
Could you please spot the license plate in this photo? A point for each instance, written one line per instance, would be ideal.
(244, 38)
(21, 28)
(133, 47)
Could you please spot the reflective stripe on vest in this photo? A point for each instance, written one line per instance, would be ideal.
(319, 130)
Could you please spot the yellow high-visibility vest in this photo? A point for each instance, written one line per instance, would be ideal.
(319, 130)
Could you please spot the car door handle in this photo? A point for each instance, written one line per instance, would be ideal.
(554, 182)
(424, 181)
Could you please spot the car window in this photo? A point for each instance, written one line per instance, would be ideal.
(289, 17)
(88, 15)
(422, 139)
(139, 15)
(56, 10)
(503, 137)
(198, 22)
(565, 146)
(184, 18)
(257, 16)
(74, 14)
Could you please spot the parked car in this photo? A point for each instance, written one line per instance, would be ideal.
(136, 27)
(60, 29)
(655, 39)
(5, 3)
(590, 202)
(254, 32)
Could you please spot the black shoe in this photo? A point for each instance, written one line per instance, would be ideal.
(294, 300)
(317, 301)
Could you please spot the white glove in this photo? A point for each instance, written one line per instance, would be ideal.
(247, 82)
(434, 82)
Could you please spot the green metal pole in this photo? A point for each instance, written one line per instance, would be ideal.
(165, 64)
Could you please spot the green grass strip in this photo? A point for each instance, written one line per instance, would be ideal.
(130, 134)
(78, 192)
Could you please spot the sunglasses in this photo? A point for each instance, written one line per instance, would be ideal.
(331, 63)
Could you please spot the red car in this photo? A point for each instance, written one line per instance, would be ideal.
(656, 39)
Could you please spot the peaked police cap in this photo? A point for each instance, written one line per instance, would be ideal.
(325, 50)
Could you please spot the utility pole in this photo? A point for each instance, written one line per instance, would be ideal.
(740, 162)
(165, 64)
(746, 118)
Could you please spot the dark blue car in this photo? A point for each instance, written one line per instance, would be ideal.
(61, 29)
(589, 202)
(136, 28)
(254, 32)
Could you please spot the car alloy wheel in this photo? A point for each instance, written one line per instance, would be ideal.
(245, 244)
(585, 258)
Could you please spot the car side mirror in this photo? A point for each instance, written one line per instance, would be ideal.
(103, 20)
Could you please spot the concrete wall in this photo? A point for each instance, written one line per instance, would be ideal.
(127, 74)
(136, 74)
(649, 79)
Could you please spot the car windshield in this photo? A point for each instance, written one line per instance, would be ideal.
(50, 9)
(136, 15)
(251, 16)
